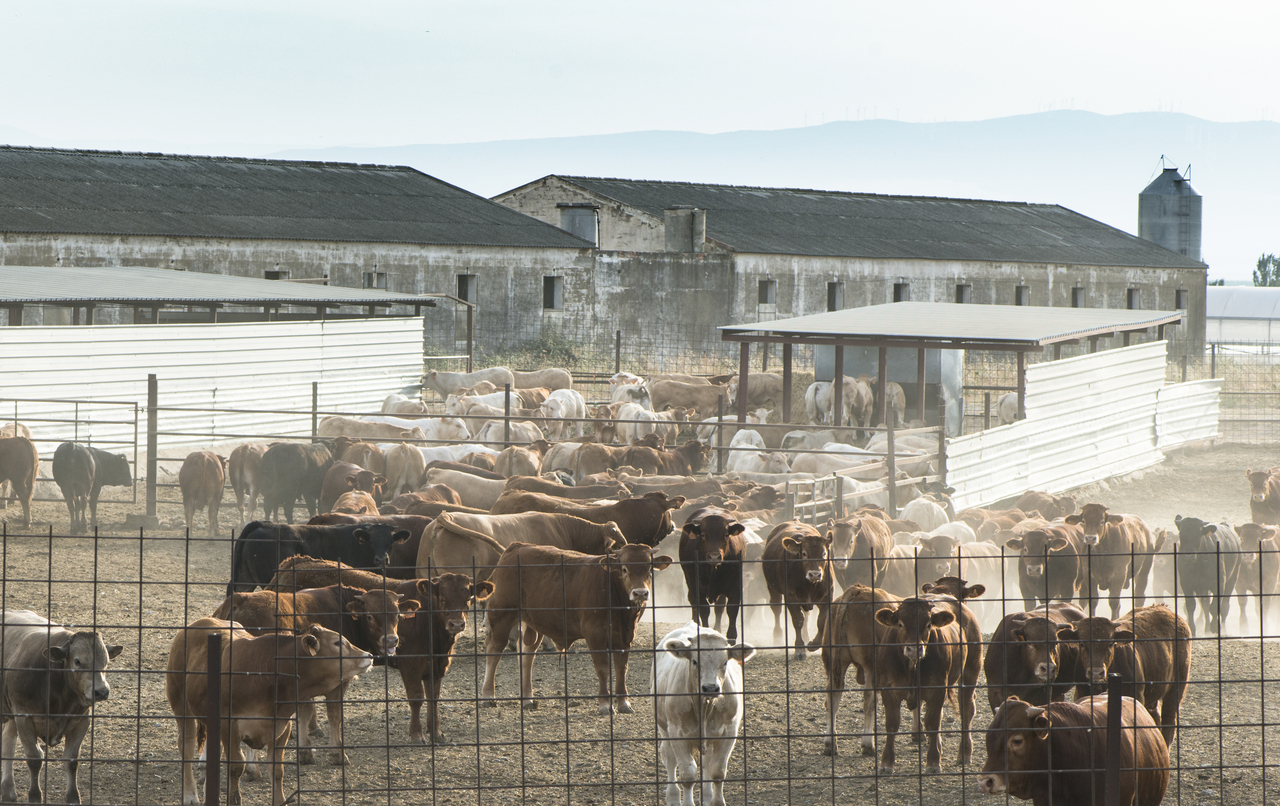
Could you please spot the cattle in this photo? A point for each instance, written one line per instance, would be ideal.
(493, 433)
(1264, 496)
(518, 461)
(263, 680)
(1150, 647)
(19, 461)
(11, 429)
(565, 408)
(853, 636)
(1259, 570)
(475, 491)
(817, 403)
(976, 516)
(1208, 569)
(1007, 408)
(446, 383)
(337, 426)
(635, 422)
(201, 479)
(704, 397)
(461, 542)
(926, 512)
(689, 458)
(711, 553)
(1057, 754)
(291, 470)
(1114, 541)
(896, 404)
(763, 389)
(51, 677)
(396, 403)
(1026, 658)
(261, 547)
(797, 572)
(81, 472)
(859, 402)
(869, 543)
(552, 378)
(363, 454)
(369, 619)
(547, 487)
(430, 429)
(1050, 507)
(567, 596)
(244, 469)
(1049, 565)
(342, 477)
(645, 519)
(697, 690)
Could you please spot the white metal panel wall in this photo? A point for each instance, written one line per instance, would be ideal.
(1186, 412)
(259, 365)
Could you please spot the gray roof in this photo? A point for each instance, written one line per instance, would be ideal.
(69, 285)
(1242, 302)
(828, 223)
(1169, 183)
(114, 193)
(958, 326)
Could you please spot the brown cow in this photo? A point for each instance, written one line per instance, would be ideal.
(1049, 565)
(1050, 507)
(975, 517)
(356, 502)
(1114, 540)
(689, 458)
(866, 542)
(1259, 570)
(1027, 658)
(480, 460)
(426, 642)
(1057, 754)
(461, 542)
(852, 636)
(242, 469)
(567, 596)
(711, 553)
(263, 680)
(201, 479)
(344, 477)
(363, 454)
(517, 461)
(797, 572)
(646, 519)
(18, 463)
(536, 484)
(1151, 649)
(1264, 496)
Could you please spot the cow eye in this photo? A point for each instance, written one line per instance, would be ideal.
(1015, 742)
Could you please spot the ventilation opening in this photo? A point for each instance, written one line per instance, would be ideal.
(552, 293)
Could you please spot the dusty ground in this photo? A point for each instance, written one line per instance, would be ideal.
(139, 592)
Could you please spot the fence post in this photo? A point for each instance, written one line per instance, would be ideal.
(893, 468)
(720, 436)
(213, 718)
(315, 409)
(617, 351)
(838, 509)
(942, 439)
(506, 418)
(152, 427)
(1114, 713)
(986, 411)
(789, 505)
(1213, 360)
(471, 336)
(1186, 348)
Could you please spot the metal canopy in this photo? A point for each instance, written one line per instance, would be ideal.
(115, 285)
(946, 325)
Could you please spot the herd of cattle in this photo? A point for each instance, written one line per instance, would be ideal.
(564, 541)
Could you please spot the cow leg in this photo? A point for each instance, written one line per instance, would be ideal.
(836, 671)
(415, 692)
(869, 721)
(1189, 600)
(529, 643)
(734, 606)
(187, 742)
(500, 624)
(681, 771)
(333, 707)
(306, 718)
(775, 604)
(892, 721)
(277, 763)
(600, 660)
(621, 660)
(701, 609)
(816, 643)
(968, 695)
(797, 623)
(433, 710)
(213, 518)
(71, 758)
(715, 765)
(917, 727)
(35, 757)
(189, 514)
(70, 501)
(93, 507)
(8, 744)
(235, 762)
(933, 724)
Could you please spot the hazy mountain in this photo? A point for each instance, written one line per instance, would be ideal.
(1093, 164)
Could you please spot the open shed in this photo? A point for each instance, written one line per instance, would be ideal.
(926, 326)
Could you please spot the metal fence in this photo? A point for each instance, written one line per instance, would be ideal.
(140, 591)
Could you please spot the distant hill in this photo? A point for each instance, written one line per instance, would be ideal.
(1093, 164)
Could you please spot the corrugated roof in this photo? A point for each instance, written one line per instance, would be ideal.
(68, 285)
(818, 222)
(955, 325)
(1242, 302)
(115, 193)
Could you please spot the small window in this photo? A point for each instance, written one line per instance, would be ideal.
(580, 221)
(835, 296)
(1134, 299)
(902, 292)
(277, 274)
(467, 287)
(964, 293)
(552, 293)
(1077, 297)
(1180, 299)
(768, 294)
(375, 279)
(1022, 295)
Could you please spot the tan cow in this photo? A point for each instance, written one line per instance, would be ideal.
(457, 541)
(517, 461)
(552, 378)
(19, 461)
(703, 397)
(335, 426)
(201, 479)
(645, 520)
(11, 429)
(243, 467)
(405, 468)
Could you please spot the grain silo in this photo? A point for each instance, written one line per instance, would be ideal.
(1169, 213)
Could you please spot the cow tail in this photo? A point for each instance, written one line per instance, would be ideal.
(237, 554)
(444, 521)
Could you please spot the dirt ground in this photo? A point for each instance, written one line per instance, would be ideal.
(139, 592)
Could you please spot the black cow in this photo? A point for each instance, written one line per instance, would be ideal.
(262, 546)
(711, 551)
(291, 470)
(81, 472)
(1206, 573)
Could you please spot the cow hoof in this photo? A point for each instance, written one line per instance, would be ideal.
(306, 757)
(624, 707)
(439, 739)
(799, 655)
(532, 705)
(933, 769)
(917, 738)
(868, 750)
(10, 794)
(491, 703)
(886, 769)
(830, 749)
(71, 798)
(338, 759)
(604, 710)
(314, 729)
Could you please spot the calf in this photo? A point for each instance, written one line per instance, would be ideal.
(1118, 553)
(1058, 754)
(1028, 658)
(50, 679)
(244, 467)
(711, 554)
(1049, 564)
(81, 472)
(18, 463)
(1259, 570)
(1208, 569)
(263, 680)
(261, 547)
(344, 477)
(797, 572)
(853, 638)
(1264, 496)
(201, 479)
(1050, 507)
(568, 596)
(697, 689)
(291, 470)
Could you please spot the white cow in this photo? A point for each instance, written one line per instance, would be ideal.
(1007, 407)
(399, 404)
(631, 393)
(817, 402)
(697, 688)
(446, 383)
(522, 433)
(926, 513)
(449, 453)
(565, 407)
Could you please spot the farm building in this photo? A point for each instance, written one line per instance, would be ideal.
(1242, 315)
(671, 250)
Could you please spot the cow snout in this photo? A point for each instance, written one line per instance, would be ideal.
(1035, 570)
(913, 651)
(101, 692)
(842, 562)
(711, 689)
(814, 576)
(639, 595)
(389, 644)
(1091, 540)
(1046, 671)
(1259, 497)
(989, 784)
(1097, 675)
(455, 626)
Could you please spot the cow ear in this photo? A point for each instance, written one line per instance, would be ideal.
(736, 529)
(409, 608)
(1058, 544)
(311, 644)
(1040, 722)
(1268, 532)
(57, 654)
(424, 587)
(693, 529)
(887, 616)
(355, 608)
(361, 535)
(1248, 471)
(1074, 520)
(975, 590)
(661, 562)
(1123, 636)
(1209, 529)
(1014, 543)
(1066, 632)
(400, 535)
(1116, 519)
(483, 590)
(926, 587)
(742, 652)
(351, 481)
(679, 647)
(827, 538)
(114, 650)
(791, 544)
(379, 479)
(941, 618)
(1018, 635)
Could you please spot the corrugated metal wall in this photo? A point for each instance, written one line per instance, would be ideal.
(263, 366)
(1088, 418)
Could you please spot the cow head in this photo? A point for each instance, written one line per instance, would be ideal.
(380, 537)
(1039, 645)
(709, 536)
(1097, 638)
(955, 587)
(1016, 745)
(368, 482)
(115, 468)
(708, 654)
(934, 558)
(1252, 536)
(1258, 480)
(1194, 535)
(1034, 546)
(911, 622)
(83, 659)
(451, 597)
(841, 536)
(1094, 521)
(811, 551)
(335, 656)
(632, 568)
(378, 613)
(696, 452)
